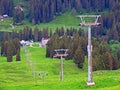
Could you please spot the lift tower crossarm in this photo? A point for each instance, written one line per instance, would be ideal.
(61, 55)
(88, 16)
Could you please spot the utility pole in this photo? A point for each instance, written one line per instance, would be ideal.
(89, 47)
(61, 53)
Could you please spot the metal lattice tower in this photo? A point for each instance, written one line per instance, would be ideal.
(61, 53)
(89, 47)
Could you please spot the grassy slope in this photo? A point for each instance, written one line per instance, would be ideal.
(66, 20)
(16, 75)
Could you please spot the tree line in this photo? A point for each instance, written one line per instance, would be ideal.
(28, 34)
(76, 42)
(110, 26)
(10, 47)
(39, 11)
(6, 7)
(46, 10)
(10, 41)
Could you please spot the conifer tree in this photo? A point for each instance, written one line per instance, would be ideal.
(6, 7)
(79, 57)
(18, 15)
(18, 55)
(9, 52)
(36, 34)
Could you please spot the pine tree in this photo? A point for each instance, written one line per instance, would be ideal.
(79, 57)
(36, 34)
(18, 15)
(6, 7)
(70, 51)
(18, 55)
(9, 52)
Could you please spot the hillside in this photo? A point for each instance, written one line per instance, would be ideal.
(56, 21)
(67, 20)
(16, 75)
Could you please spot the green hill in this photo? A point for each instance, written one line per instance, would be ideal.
(66, 20)
(18, 75)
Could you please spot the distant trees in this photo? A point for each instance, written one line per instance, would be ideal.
(79, 57)
(9, 51)
(33, 34)
(39, 11)
(6, 7)
(109, 26)
(45, 10)
(18, 58)
(52, 44)
(72, 39)
(10, 47)
(18, 15)
(28, 34)
(103, 58)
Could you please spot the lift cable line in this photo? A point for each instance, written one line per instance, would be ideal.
(89, 47)
(61, 53)
(31, 66)
(27, 55)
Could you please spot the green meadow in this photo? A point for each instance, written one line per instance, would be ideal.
(18, 75)
(66, 20)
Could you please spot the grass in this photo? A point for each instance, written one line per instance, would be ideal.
(16, 2)
(5, 25)
(66, 20)
(18, 76)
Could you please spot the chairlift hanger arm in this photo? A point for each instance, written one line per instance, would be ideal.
(83, 23)
(96, 20)
(57, 50)
(88, 16)
(82, 19)
(58, 54)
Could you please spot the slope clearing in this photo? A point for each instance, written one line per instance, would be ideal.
(66, 20)
(18, 76)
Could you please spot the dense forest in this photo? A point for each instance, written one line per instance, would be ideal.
(39, 11)
(76, 43)
(46, 10)
(6, 7)
(10, 47)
